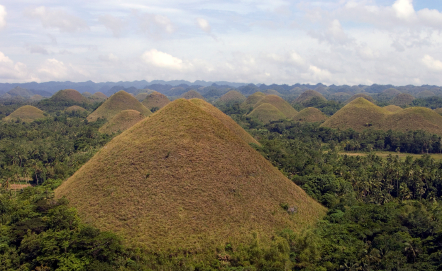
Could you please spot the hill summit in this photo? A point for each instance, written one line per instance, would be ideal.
(69, 96)
(26, 113)
(122, 121)
(180, 180)
(155, 99)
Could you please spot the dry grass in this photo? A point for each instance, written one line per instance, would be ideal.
(272, 92)
(252, 100)
(279, 103)
(232, 96)
(266, 113)
(26, 113)
(402, 99)
(308, 95)
(86, 94)
(385, 154)
(155, 99)
(414, 118)
(141, 96)
(360, 95)
(69, 95)
(310, 114)
(181, 181)
(36, 98)
(191, 94)
(122, 121)
(97, 97)
(438, 110)
(75, 108)
(115, 104)
(392, 108)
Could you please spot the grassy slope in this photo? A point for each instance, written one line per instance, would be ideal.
(414, 118)
(266, 113)
(69, 95)
(122, 121)
(392, 108)
(279, 103)
(360, 95)
(252, 99)
(310, 114)
(115, 104)
(98, 97)
(179, 180)
(26, 113)
(232, 96)
(192, 94)
(155, 99)
(75, 108)
(308, 95)
(402, 99)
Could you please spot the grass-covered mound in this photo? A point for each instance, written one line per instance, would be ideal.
(115, 104)
(141, 96)
(36, 98)
(226, 120)
(98, 97)
(310, 114)
(26, 113)
(155, 100)
(181, 181)
(69, 96)
(232, 96)
(359, 114)
(402, 99)
(279, 103)
(392, 108)
(75, 108)
(414, 118)
(191, 94)
(266, 113)
(360, 95)
(86, 94)
(425, 94)
(252, 99)
(306, 96)
(340, 96)
(122, 121)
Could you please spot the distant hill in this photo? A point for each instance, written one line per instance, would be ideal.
(402, 99)
(18, 91)
(155, 100)
(360, 95)
(392, 108)
(267, 113)
(97, 97)
(279, 103)
(340, 96)
(414, 118)
(310, 114)
(86, 94)
(115, 104)
(425, 94)
(75, 108)
(192, 94)
(26, 113)
(387, 94)
(232, 96)
(438, 110)
(181, 181)
(308, 95)
(36, 98)
(252, 100)
(122, 121)
(69, 96)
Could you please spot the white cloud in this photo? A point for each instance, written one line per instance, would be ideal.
(333, 34)
(156, 25)
(109, 58)
(404, 9)
(204, 25)
(432, 63)
(57, 18)
(319, 75)
(3, 14)
(52, 68)
(112, 23)
(163, 60)
(12, 72)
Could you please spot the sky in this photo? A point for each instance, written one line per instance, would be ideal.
(276, 41)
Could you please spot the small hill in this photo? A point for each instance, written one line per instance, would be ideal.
(69, 96)
(360, 95)
(402, 99)
(121, 122)
(340, 96)
(141, 96)
(392, 108)
(26, 113)
(425, 94)
(391, 92)
(438, 110)
(192, 94)
(226, 120)
(414, 118)
(180, 181)
(310, 114)
(36, 98)
(19, 91)
(155, 100)
(115, 104)
(279, 103)
(306, 96)
(75, 108)
(252, 100)
(271, 92)
(98, 97)
(232, 96)
(266, 113)
(86, 94)
(359, 114)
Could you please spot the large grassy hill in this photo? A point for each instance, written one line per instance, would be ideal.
(402, 99)
(266, 113)
(26, 113)
(155, 100)
(307, 95)
(69, 96)
(414, 118)
(115, 104)
(310, 114)
(232, 96)
(181, 181)
(97, 97)
(252, 100)
(122, 121)
(279, 103)
(191, 94)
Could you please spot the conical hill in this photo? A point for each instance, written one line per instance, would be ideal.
(115, 104)
(252, 99)
(310, 114)
(392, 108)
(192, 94)
(75, 108)
(402, 99)
(26, 113)
(359, 114)
(122, 121)
(360, 95)
(232, 96)
(69, 96)
(97, 97)
(180, 180)
(279, 103)
(155, 100)
(414, 118)
(226, 120)
(266, 113)
(308, 95)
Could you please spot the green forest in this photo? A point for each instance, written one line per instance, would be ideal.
(383, 213)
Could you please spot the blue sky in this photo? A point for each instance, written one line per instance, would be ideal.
(330, 41)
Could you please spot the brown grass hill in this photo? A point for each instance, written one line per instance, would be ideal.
(226, 120)
(279, 103)
(121, 121)
(115, 104)
(232, 96)
(97, 97)
(438, 110)
(360, 95)
(155, 100)
(181, 181)
(26, 113)
(69, 96)
(252, 100)
(306, 96)
(141, 96)
(425, 94)
(36, 98)
(271, 92)
(192, 94)
(340, 96)
(310, 114)
(75, 108)
(359, 115)
(402, 99)
(392, 108)
(391, 92)
(414, 118)
(86, 94)
(267, 113)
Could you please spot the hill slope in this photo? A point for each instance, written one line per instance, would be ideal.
(414, 118)
(252, 100)
(360, 95)
(69, 96)
(392, 108)
(115, 104)
(179, 180)
(192, 94)
(122, 121)
(266, 113)
(308, 95)
(310, 114)
(232, 96)
(279, 103)
(75, 108)
(97, 97)
(26, 113)
(155, 99)
(402, 99)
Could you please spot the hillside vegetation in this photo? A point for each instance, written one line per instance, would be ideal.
(252, 100)
(402, 99)
(310, 114)
(26, 113)
(279, 103)
(155, 100)
(232, 96)
(192, 94)
(266, 113)
(360, 95)
(308, 95)
(122, 121)
(414, 118)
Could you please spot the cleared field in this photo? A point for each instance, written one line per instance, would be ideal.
(402, 156)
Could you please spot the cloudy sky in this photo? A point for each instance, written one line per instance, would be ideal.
(330, 41)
